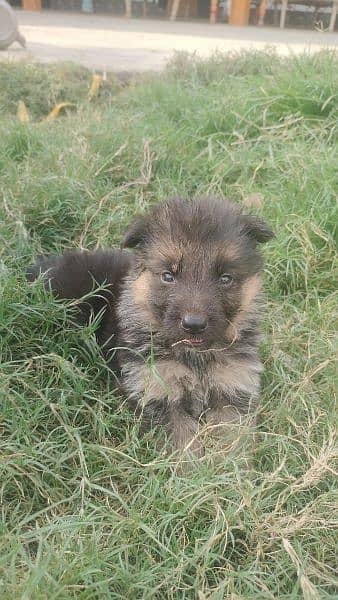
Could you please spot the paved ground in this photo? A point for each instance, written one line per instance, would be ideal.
(118, 44)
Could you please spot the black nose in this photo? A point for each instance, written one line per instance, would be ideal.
(194, 323)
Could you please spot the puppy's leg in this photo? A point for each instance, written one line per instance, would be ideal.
(185, 435)
(182, 430)
(230, 433)
(156, 392)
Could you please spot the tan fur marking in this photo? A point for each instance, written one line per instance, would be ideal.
(227, 430)
(140, 289)
(163, 379)
(250, 290)
(230, 252)
(185, 435)
(238, 375)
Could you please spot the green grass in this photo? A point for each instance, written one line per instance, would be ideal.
(89, 511)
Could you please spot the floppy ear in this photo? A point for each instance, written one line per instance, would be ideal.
(136, 233)
(257, 229)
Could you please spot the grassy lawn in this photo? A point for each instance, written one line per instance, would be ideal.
(89, 511)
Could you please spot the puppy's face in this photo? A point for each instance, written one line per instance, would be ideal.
(198, 271)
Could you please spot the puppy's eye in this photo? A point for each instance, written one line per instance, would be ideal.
(226, 279)
(167, 277)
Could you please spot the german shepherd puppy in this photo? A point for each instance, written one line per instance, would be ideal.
(182, 311)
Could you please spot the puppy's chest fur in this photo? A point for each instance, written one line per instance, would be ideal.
(212, 386)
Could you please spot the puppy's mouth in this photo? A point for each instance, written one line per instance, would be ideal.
(191, 340)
